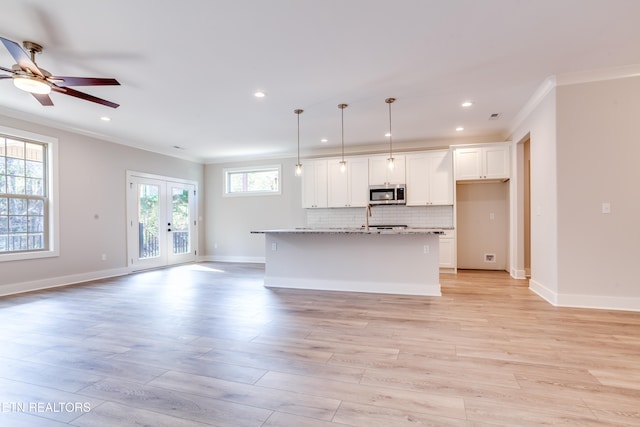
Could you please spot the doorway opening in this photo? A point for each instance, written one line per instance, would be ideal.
(526, 183)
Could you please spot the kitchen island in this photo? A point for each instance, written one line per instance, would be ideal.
(379, 260)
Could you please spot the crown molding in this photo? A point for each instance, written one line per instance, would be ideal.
(541, 92)
(589, 76)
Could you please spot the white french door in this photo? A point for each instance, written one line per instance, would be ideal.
(161, 224)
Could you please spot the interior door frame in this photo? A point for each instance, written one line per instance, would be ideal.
(165, 259)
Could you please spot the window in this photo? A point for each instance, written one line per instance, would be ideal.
(26, 214)
(252, 181)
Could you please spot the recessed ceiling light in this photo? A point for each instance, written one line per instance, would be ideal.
(324, 140)
(459, 129)
(105, 119)
(259, 94)
(466, 104)
(387, 134)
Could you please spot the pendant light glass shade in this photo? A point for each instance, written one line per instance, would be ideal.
(390, 160)
(298, 165)
(343, 162)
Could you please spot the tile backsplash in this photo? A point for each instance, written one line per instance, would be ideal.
(413, 216)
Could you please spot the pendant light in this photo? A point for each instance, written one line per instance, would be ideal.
(343, 163)
(390, 160)
(298, 165)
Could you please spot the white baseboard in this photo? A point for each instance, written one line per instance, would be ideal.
(545, 293)
(354, 286)
(54, 282)
(599, 302)
(518, 274)
(585, 301)
(217, 258)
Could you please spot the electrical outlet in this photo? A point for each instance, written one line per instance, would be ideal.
(274, 246)
(103, 257)
(426, 249)
(606, 207)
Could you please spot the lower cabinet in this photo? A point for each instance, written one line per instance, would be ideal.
(448, 250)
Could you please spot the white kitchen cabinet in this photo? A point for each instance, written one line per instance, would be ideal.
(480, 162)
(448, 250)
(351, 187)
(380, 174)
(429, 178)
(314, 184)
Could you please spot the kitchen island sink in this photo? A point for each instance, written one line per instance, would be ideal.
(381, 260)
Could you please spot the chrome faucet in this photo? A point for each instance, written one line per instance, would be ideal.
(367, 214)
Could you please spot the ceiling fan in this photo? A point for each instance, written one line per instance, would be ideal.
(39, 82)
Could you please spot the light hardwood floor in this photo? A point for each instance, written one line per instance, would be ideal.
(207, 344)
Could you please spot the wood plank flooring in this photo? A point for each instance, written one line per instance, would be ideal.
(207, 345)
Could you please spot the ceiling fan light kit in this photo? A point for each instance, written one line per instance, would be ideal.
(40, 83)
(31, 84)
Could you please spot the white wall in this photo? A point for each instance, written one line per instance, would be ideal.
(598, 161)
(540, 125)
(229, 220)
(584, 151)
(92, 208)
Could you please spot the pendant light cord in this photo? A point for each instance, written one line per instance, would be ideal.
(390, 101)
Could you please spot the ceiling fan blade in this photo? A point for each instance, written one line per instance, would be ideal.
(8, 70)
(43, 99)
(85, 96)
(6, 77)
(82, 81)
(21, 57)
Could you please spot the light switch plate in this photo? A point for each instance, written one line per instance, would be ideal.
(606, 207)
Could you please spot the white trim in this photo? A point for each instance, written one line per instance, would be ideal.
(249, 169)
(589, 76)
(600, 302)
(354, 286)
(218, 258)
(54, 282)
(544, 292)
(518, 274)
(538, 96)
(51, 145)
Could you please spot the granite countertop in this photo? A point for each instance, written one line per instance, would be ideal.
(358, 230)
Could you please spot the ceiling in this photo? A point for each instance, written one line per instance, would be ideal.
(188, 70)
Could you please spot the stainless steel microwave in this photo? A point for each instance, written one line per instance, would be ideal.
(392, 194)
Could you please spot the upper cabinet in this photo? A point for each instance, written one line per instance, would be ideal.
(429, 178)
(481, 162)
(380, 174)
(351, 187)
(314, 184)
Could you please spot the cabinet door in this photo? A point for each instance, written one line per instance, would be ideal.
(380, 174)
(447, 252)
(314, 184)
(397, 175)
(468, 163)
(417, 179)
(378, 170)
(359, 182)
(496, 161)
(483, 162)
(429, 178)
(440, 179)
(338, 185)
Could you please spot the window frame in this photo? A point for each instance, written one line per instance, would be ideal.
(226, 172)
(52, 225)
